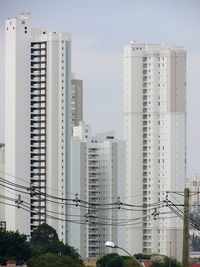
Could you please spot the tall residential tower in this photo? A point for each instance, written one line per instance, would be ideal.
(37, 122)
(155, 131)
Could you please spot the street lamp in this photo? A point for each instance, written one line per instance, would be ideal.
(111, 244)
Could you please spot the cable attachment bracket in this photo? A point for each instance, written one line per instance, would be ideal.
(155, 214)
(76, 200)
(19, 201)
(119, 203)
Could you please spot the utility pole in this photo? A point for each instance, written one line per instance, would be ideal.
(170, 243)
(186, 229)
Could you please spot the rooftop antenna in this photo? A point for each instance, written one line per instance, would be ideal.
(133, 41)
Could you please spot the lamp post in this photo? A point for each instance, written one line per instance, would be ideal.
(111, 244)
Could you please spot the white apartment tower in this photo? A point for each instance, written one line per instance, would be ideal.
(2, 189)
(98, 176)
(155, 132)
(38, 121)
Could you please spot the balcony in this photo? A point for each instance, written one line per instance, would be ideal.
(144, 72)
(144, 181)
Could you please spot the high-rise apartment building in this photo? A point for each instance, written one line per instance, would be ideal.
(155, 132)
(37, 122)
(2, 189)
(194, 186)
(98, 178)
(76, 101)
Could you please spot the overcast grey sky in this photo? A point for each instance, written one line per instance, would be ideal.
(99, 29)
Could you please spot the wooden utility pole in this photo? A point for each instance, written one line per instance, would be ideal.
(186, 229)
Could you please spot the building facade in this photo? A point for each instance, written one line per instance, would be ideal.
(76, 101)
(37, 122)
(155, 132)
(2, 189)
(194, 186)
(98, 176)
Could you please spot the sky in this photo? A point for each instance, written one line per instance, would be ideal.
(99, 29)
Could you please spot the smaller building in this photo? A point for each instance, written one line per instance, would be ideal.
(97, 178)
(12, 263)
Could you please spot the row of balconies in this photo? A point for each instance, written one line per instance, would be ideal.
(38, 180)
(92, 161)
(37, 114)
(38, 52)
(147, 231)
(147, 244)
(39, 101)
(147, 238)
(38, 96)
(38, 166)
(39, 120)
(147, 250)
(40, 186)
(93, 235)
(38, 78)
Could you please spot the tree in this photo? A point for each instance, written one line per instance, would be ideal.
(44, 234)
(110, 260)
(45, 239)
(13, 246)
(141, 256)
(115, 261)
(165, 262)
(53, 260)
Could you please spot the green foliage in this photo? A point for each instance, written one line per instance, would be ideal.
(128, 262)
(45, 239)
(114, 260)
(111, 260)
(44, 243)
(141, 256)
(13, 246)
(53, 260)
(166, 262)
(56, 248)
(44, 234)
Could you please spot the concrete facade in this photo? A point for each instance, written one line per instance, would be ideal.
(77, 101)
(155, 131)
